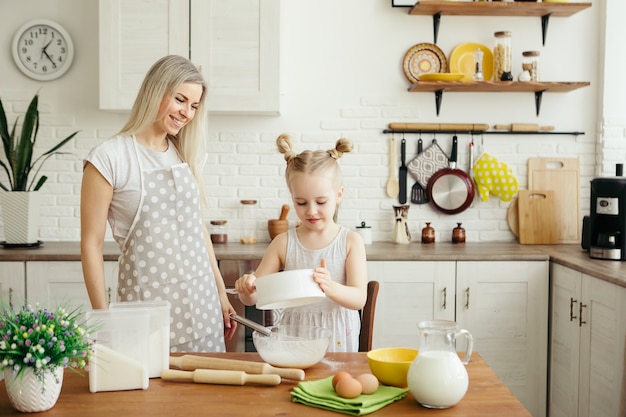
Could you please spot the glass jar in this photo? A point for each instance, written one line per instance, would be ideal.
(218, 231)
(248, 216)
(502, 56)
(530, 63)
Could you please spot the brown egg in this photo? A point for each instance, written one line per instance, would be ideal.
(348, 388)
(369, 383)
(339, 376)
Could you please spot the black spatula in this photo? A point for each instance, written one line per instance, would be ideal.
(402, 173)
(418, 193)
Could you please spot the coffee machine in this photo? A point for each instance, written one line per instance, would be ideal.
(607, 218)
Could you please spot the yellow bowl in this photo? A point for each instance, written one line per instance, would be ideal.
(391, 365)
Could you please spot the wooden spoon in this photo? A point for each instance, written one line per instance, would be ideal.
(393, 187)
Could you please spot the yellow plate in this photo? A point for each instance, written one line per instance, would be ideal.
(442, 76)
(462, 60)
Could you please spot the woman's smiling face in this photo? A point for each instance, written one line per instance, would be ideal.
(315, 198)
(177, 111)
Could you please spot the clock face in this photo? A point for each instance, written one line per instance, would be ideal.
(43, 50)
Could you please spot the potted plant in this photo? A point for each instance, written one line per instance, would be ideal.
(20, 214)
(36, 345)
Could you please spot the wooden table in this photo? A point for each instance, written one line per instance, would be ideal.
(487, 396)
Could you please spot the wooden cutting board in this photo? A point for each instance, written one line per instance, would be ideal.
(561, 175)
(537, 217)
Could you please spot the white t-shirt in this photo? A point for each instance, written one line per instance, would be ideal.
(117, 161)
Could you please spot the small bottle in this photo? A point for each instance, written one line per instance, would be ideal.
(248, 216)
(218, 231)
(530, 63)
(458, 234)
(502, 56)
(428, 234)
(478, 63)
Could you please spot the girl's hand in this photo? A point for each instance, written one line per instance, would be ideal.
(322, 277)
(246, 284)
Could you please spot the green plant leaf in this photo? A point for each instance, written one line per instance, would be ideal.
(18, 150)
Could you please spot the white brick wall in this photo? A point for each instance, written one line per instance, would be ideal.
(332, 89)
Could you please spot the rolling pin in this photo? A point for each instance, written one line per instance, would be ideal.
(523, 127)
(219, 376)
(438, 126)
(193, 362)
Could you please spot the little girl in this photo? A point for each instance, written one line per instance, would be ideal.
(336, 253)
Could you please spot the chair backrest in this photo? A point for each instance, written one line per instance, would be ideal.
(367, 317)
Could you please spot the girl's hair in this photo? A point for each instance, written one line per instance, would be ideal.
(313, 162)
(162, 81)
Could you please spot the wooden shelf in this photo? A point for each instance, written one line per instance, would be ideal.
(439, 87)
(436, 9)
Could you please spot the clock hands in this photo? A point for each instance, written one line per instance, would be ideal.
(54, 65)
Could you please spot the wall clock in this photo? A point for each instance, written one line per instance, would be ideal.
(43, 50)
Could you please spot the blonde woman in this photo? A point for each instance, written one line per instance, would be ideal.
(336, 254)
(146, 182)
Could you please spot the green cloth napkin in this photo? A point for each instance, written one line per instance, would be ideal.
(321, 394)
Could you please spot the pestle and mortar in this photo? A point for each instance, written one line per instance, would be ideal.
(280, 225)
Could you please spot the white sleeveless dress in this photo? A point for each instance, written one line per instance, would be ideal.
(345, 324)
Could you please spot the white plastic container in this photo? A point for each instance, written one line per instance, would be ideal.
(122, 340)
(159, 329)
(287, 289)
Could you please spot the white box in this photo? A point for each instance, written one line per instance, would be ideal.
(159, 345)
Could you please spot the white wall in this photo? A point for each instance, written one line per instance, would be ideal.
(341, 75)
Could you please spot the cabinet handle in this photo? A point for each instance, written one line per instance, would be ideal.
(572, 317)
(580, 315)
(11, 298)
(445, 297)
(109, 294)
(467, 295)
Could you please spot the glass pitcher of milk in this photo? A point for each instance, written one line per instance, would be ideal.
(437, 378)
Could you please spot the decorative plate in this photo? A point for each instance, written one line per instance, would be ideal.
(423, 58)
(462, 60)
(442, 76)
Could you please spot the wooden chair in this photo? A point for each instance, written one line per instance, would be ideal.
(367, 317)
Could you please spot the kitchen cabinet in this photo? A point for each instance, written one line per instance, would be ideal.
(410, 292)
(504, 304)
(236, 47)
(545, 10)
(12, 284)
(54, 283)
(588, 328)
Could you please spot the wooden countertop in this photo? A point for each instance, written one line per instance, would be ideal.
(571, 256)
(487, 396)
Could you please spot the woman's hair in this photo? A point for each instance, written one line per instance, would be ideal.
(162, 81)
(313, 162)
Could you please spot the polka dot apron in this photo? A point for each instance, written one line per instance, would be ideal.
(165, 257)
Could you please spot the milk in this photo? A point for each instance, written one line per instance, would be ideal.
(437, 379)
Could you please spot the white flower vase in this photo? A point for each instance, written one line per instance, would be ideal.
(28, 394)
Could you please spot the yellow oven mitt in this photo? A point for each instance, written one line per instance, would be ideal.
(493, 176)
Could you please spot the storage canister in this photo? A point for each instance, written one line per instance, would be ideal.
(530, 63)
(365, 232)
(502, 56)
(248, 216)
(218, 231)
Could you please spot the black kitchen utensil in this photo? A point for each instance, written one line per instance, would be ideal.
(418, 193)
(402, 172)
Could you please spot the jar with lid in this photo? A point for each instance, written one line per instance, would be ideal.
(218, 231)
(502, 56)
(458, 234)
(428, 234)
(249, 223)
(530, 63)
